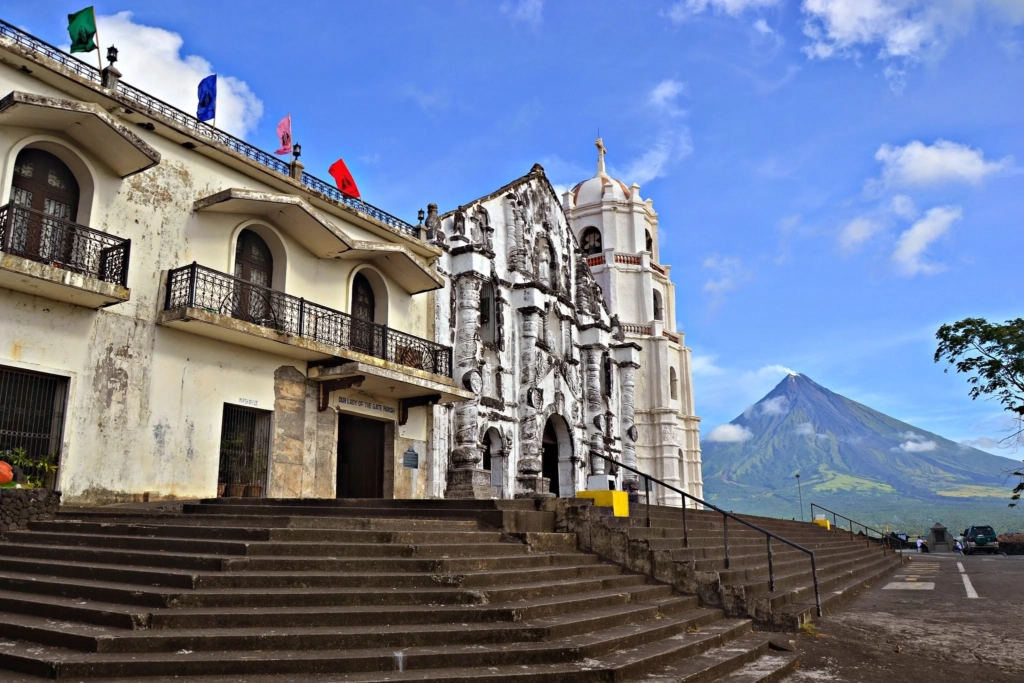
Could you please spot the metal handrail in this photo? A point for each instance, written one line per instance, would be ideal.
(154, 105)
(726, 516)
(884, 537)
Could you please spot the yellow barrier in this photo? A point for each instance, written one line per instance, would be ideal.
(618, 501)
(824, 523)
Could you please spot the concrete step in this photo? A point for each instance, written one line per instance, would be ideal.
(629, 650)
(222, 519)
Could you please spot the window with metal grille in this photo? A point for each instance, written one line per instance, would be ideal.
(32, 406)
(244, 451)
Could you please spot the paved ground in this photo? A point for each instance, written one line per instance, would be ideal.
(922, 624)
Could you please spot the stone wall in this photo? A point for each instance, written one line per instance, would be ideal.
(18, 507)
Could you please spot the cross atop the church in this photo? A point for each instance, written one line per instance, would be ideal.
(600, 156)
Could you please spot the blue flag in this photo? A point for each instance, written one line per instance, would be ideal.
(207, 98)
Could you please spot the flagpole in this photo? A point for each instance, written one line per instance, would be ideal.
(96, 39)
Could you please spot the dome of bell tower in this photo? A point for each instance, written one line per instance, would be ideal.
(593, 190)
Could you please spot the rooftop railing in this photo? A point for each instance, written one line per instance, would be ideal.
(40, 237)
(145, 102)
(196, 286)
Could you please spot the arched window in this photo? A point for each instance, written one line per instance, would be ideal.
(659, 313)
(364, 332)
(590, 241)
(44, 187)
(253, 261)
(487, 312)
(254, 264)
(673, 383)
(648, 241)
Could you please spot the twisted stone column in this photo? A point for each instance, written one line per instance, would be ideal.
(627, 418)
(529, 467)
(592, 394)
(465, 478)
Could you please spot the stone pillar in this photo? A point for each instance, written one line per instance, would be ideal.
(594, 417)
(627, 382)
(528, 480)
(466, 479)
(511, 232)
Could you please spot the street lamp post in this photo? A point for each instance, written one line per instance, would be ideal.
(801, 494)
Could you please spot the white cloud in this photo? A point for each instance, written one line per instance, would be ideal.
(726, 274)
(729, 433)
(836, 28)
(901, 33)
(530, 12)
(917, 446)
(912, 243)
(804, 429)
(704, 365)
(150, 58)
(682, 10)
(670, 147)
(427, 100)
(917, 164)
(904, 207)
(666, 92)
(762, 27)
(857, 231)
(775, 406)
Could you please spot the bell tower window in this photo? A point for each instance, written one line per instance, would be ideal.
(659, 312)
(590, 241)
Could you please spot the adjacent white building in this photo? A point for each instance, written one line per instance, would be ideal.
(618, 233)
(184, 315)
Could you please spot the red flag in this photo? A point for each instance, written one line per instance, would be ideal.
(346, 183)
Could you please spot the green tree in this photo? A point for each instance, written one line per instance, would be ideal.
(992, 356)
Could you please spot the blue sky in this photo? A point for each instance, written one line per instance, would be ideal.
(834, 178)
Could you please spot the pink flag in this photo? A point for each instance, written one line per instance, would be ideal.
(284, 134)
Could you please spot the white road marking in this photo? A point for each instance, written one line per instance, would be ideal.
(909, 586)
(971, 593)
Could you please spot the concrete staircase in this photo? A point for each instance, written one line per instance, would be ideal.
(845, 563)
(268, 591)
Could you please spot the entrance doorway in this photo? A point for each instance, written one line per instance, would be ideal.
(556, 456)
(244, 451)
(360, 457)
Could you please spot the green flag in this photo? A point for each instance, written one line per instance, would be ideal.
(82, 29)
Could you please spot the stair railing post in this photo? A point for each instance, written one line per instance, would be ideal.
(725, 534)
(771, 567)
(817, 593)
(851, 529)
(686, 535)
(647, 493)
(835, 522)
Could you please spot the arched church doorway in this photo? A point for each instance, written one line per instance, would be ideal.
(494, 460)
(556, 456)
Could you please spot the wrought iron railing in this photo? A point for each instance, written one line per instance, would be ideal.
(726, 516)
(863, 529)
(30, 42)
(40, 237)
(152, 105)
(196, 286)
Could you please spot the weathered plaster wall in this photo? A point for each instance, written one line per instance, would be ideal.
(145, 401)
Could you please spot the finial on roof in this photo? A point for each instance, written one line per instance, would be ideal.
(600, 156)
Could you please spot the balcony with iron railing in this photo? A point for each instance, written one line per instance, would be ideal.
(213, 304)
(62, 260)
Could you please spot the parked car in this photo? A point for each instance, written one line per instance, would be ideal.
(980, 537)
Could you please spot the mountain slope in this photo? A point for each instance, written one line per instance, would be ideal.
(843, 451)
